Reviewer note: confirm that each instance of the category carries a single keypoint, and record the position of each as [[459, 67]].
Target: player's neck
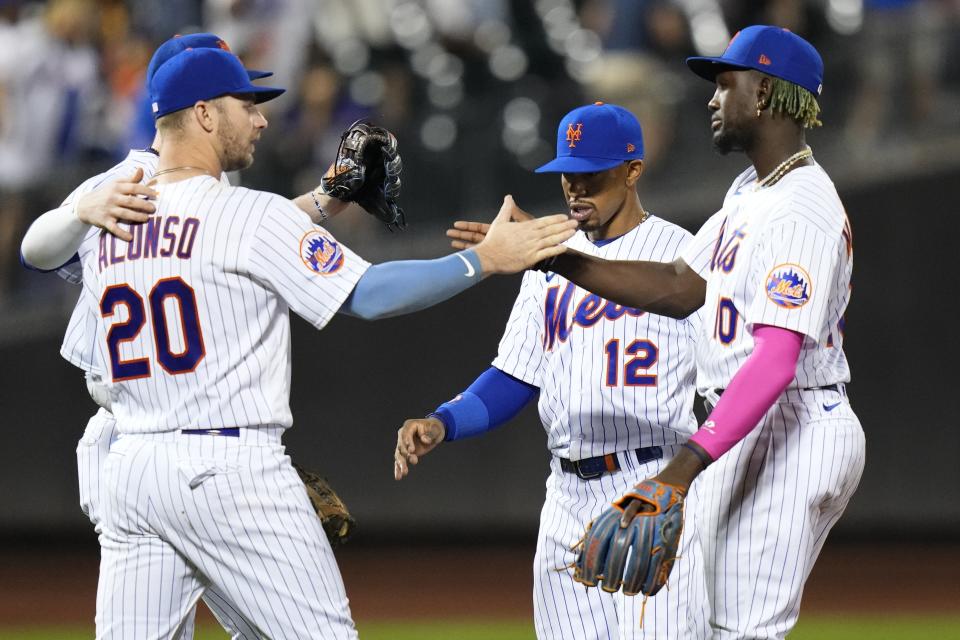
[[770, 152], [180, 162]]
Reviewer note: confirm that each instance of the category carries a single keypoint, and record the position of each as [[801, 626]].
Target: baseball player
[[194, 332], [103, 202], [785, 449], [615, 388]]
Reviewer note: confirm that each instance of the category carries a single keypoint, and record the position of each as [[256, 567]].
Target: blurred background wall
[[474, 90]]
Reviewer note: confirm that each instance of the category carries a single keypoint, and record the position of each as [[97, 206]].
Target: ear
[[634, 171], [206, 115], [764, 89]]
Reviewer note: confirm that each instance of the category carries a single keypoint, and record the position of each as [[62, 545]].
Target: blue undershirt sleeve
[[404, 286], [494, 398]]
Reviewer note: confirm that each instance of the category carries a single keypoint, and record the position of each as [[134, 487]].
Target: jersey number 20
[[173, 362]]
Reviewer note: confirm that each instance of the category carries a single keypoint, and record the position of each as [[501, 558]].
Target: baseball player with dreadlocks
[[785, 449]]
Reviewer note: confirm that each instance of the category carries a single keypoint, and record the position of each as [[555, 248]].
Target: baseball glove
[[367, 171], [337, 522], [637, 554]]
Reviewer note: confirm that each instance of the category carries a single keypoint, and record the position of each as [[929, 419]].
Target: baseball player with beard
[[120, 195], [786, 451], [615, 387], [194, 331]]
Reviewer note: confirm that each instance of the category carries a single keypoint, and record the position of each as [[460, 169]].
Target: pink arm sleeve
[[753, 389]]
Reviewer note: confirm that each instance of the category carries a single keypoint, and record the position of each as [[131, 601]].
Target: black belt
[[233, 432], [590, 468], [829, 387]]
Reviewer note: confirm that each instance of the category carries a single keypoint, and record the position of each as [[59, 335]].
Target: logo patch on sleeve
[[320, 252], [789, 286]]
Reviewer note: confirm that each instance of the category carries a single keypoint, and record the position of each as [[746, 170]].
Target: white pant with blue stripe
[[92, 451], [185, 516], [564, 609], [767, 506]]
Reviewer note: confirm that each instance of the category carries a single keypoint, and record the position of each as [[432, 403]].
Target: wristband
[[316, 203]]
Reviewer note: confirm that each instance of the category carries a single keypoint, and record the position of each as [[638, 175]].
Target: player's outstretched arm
[[493, 399], [669, 289], [416, 438], [55, 236], [510, 247], [405, 286]]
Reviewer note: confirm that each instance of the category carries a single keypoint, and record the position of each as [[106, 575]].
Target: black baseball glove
[[633, 553], [337, 522], [367, 171]]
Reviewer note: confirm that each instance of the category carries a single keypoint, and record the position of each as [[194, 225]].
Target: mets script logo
[[320, 252], [725, 253], [588, 312], [574, 134], [788, 285]]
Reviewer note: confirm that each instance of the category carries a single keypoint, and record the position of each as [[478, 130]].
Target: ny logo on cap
[[573, 135]]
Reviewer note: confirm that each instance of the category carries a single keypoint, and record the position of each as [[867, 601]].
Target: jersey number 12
[[643, 354]]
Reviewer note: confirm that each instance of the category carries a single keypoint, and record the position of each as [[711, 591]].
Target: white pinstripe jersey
[[780, 256], [611, 378], [79, 341], [194, 329]]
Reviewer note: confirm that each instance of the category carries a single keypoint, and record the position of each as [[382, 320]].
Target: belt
[[590, 468], [232, 432], [829, 387]]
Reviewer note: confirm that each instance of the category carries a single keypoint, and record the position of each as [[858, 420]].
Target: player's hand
[[415, 438], [123, 200], [509, 247], [466, 234]]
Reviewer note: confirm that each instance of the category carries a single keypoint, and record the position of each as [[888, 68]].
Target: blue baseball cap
[[178, 44], [771, 50], [202, 74], [596, 137]]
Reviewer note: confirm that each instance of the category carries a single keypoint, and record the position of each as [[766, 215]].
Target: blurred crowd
[[472, 88]]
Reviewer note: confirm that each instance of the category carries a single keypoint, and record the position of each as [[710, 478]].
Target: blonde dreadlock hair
[[795, 101]]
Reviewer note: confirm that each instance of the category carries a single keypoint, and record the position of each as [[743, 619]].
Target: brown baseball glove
[[333, 513]]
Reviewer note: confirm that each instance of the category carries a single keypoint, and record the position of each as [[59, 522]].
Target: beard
[[236, 150], [729, 140]]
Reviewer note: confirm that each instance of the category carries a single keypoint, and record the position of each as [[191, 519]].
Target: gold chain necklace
[[774, 176], [183, 168]]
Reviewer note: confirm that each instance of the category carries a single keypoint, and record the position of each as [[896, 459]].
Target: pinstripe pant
[[564, 609], [768, 505], [186, 513], [92, 451]]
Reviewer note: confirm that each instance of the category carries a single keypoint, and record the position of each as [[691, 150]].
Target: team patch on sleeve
[[789, 286], [320, 252]]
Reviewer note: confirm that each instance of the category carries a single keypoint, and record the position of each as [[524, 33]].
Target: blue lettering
[[589, 311]]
